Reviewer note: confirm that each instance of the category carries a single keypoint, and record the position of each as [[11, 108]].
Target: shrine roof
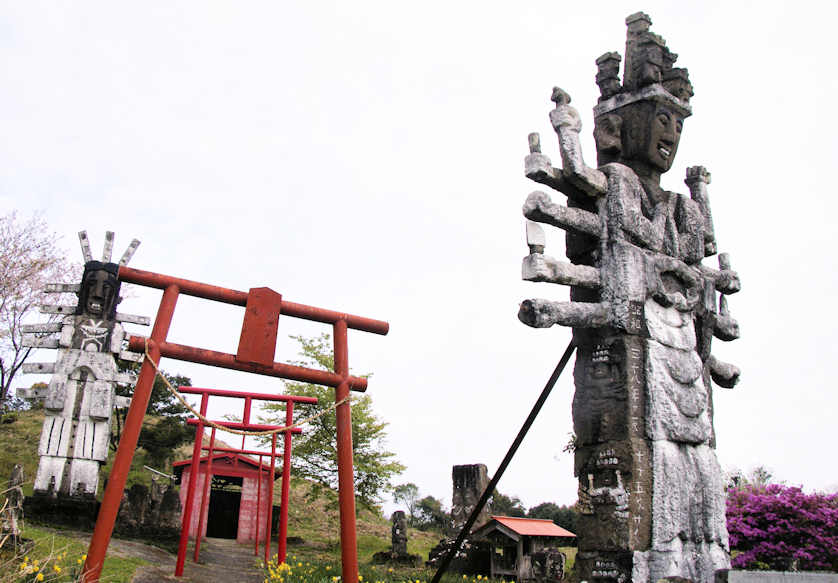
[[532, 526], [227, 458]]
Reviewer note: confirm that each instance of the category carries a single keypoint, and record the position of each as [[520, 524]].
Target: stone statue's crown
[[648, 72]]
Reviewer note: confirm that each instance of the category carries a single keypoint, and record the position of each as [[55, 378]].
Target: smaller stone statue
[[398, 550], [399, 533]]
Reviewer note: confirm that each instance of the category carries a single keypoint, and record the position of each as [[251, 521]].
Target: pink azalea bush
[[772, 526]]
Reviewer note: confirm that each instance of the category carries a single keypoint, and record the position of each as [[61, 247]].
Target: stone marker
[[398, 533], [644, 311], [398, 551]]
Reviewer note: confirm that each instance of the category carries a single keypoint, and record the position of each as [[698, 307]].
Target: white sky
[[368, 157]]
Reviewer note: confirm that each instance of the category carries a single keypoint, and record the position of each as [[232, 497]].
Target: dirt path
[[222, 561]]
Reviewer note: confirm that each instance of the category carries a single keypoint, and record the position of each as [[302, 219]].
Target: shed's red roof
[[532, 526]]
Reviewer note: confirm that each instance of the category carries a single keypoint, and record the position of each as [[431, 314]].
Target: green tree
[[407, 494], [430, 513], [504, 505], [164, 428], [314, 454], [564, 516]]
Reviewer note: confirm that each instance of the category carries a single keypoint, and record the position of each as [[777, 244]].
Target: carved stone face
[[664, 135], [99, 290], [650, 135]]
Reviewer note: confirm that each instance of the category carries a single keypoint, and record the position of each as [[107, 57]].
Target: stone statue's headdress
[[648, 72], [99, 290]]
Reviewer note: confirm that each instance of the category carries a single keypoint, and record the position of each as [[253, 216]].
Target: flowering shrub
[[772, 526]]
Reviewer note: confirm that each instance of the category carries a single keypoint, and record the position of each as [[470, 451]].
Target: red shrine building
[[237, 491]]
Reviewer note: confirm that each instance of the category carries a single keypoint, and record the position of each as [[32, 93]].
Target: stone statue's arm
[[697, 180], [723, 374], [624, 208], [648, 234], [566, 122]]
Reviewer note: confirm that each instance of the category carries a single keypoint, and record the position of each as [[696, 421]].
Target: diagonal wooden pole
[[508, 458]]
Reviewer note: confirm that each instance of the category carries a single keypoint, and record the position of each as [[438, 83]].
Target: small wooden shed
[[514, 542], [234, 492]]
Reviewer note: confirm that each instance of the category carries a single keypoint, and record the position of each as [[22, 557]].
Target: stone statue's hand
[[537, 202], [728, 282], [565, 116], [537, 164]]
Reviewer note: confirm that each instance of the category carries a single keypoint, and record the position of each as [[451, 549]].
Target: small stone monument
[[398, 551], [644, 310], [399, 533]]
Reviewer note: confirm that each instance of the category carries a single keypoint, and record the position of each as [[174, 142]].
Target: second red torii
[[244, 425]]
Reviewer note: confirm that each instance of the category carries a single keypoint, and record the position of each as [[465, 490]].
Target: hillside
[[313, 523]]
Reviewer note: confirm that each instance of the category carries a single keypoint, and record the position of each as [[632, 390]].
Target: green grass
[[20, 445], [58, 559]]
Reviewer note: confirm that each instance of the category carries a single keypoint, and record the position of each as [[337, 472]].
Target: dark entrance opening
[[224, 505]]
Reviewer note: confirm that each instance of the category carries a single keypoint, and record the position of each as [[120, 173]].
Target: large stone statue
[[643, 311], [80, 398]]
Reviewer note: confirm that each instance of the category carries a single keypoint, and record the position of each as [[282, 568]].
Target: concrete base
[[736, 576]]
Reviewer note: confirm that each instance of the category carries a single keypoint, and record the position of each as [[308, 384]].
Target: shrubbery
[[774, 526]]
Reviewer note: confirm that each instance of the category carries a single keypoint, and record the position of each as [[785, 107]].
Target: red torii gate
[[245, 425], [257, 345]]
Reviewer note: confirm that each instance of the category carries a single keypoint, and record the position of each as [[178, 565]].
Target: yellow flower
[[56, 568], [299, 564], [360, 577], [390, 570], [465, 576], [40, 577]]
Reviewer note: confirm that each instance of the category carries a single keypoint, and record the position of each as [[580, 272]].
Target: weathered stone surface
[[469, 482], [399, 533], [150, 512], [548, 565], [80, 398], [650, 492]]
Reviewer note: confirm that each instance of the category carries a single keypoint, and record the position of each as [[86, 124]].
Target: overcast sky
[[367, 157]]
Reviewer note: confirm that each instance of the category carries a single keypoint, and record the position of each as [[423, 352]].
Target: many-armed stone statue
[[644, 311], [80, 398]]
